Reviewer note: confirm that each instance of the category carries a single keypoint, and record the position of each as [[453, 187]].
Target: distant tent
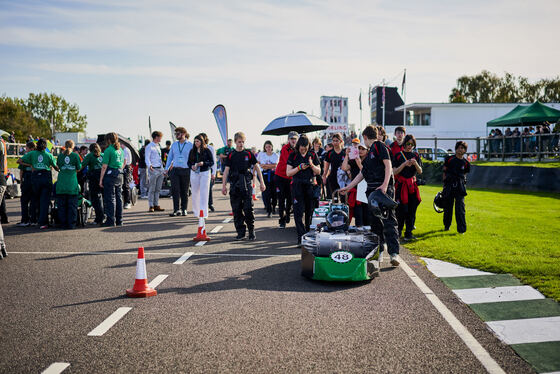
[[520, 115]]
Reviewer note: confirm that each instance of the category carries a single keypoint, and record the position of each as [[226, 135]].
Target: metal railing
[[539, 147], [18, 149]]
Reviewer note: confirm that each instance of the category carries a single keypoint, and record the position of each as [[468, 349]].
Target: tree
[[14, 117], [487, 87], [46, 108]]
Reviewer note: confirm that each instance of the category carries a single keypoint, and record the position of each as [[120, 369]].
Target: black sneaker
[[4, 252], [282, 225], [240, 236], [211, 208], [446, 228], [252, 235], [184, 213], [287, 219], [175, 213], [268, 215]]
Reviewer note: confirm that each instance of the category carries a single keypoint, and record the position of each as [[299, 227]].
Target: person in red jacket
[[283, 182], [398, 145]]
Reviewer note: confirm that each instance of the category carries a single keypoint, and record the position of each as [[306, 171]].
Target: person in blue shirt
[[179, 172]]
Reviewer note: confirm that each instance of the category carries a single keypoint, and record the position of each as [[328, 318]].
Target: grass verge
[[512, 232]]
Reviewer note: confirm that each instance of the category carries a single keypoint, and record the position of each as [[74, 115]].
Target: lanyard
[[181, 148]]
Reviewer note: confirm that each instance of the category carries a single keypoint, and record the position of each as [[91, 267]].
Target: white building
[[452, 120], [334, 111]]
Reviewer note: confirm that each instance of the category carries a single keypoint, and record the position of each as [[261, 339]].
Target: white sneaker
[[127, 206], [395, 259], [380, 258], [23, 224]]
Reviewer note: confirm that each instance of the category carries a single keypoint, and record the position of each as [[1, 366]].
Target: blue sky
[[121, 61]]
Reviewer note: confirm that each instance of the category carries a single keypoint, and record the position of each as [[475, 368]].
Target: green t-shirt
[[92, 162], [224, 150], [40, 160], [113, 158], [67, 183]]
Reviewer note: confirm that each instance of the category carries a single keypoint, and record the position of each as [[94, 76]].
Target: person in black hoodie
[[454, 187]]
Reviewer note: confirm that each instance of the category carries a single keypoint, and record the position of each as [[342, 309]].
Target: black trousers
[[269, 195], [180, 179], [303, 206], [127, 178], [284, 195], [28, 208], [460, 218], [406, 214], [242, 207], [386, 229], [67, 210], [210, 197], [42, 192], [96, 195], [361, 214]]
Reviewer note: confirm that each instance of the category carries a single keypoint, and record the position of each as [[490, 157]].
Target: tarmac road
[[230, 307]]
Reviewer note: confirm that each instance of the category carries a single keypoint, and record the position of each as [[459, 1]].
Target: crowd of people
[[292, 182], [513, 142]]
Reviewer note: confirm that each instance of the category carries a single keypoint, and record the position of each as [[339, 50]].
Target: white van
[[427, 153]]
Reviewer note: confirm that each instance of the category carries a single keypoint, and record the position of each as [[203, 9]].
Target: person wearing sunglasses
[[406, 164]]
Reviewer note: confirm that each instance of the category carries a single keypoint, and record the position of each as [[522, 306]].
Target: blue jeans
[[42, 191], [112, 196], [67, 210]]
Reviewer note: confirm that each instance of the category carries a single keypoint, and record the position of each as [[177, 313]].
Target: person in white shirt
[[268, 161], [154, 164], [179, 172], [213, 171], [127, 176]]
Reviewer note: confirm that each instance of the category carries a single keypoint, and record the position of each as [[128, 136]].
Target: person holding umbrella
[[283, 181]]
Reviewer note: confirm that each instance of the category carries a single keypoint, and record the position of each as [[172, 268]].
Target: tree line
[[36, 115], [487, 87]]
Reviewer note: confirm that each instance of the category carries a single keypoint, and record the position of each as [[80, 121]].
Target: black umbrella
[[300, 122]]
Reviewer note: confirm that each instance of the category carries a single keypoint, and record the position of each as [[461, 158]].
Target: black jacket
[[206, 157]]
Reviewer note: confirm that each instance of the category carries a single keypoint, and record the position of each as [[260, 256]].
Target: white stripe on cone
[[141, 269]]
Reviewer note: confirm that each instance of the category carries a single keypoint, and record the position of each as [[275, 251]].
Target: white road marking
[[228, 220], [497, 294], [216, 229], [154, 254], [181, 260], [443, 269], [57, 367], [529, 330], [480, 353], [109, 321], [157, 280], [199, 244]]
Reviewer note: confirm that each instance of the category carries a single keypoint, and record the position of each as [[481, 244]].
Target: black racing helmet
[[438, 202], [338, 220], [381, 204]]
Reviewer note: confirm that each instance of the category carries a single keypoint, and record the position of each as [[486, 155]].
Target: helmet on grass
[[439, 202]]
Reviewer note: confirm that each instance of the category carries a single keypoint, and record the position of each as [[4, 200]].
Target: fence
[[18, 149], [534, 146]]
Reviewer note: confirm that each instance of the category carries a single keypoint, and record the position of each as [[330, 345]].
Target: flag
[[150, 125], [173, 127], [360, 99], [220, 115], [403, 81]]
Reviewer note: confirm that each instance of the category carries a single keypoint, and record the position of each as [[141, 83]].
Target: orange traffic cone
[[254, 194], [141, 288], [201, 235]]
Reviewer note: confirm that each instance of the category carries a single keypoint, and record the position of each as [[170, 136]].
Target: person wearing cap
[[303, 165], [353, 163], [377, 171], [333, 161], [283, 181], [179, 172]]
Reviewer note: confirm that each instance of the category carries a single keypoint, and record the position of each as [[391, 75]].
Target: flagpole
[[404, 98], [383, 119], [360, 111]]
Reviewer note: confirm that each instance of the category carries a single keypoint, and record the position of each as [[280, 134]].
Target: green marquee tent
[[533, 114]]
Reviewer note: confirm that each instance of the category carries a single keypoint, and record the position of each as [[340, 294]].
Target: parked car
[[427, 153]]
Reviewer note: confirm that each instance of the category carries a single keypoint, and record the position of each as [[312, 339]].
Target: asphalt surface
[[231, 307]]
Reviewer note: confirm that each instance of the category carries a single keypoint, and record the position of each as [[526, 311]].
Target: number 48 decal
[[341, 256]]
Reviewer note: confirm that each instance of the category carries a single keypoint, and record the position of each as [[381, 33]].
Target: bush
[[432, 172]]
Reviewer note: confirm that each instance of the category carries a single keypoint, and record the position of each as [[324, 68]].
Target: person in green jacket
[[67, 188], [41, 162], [111, 180], [94, 161]]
